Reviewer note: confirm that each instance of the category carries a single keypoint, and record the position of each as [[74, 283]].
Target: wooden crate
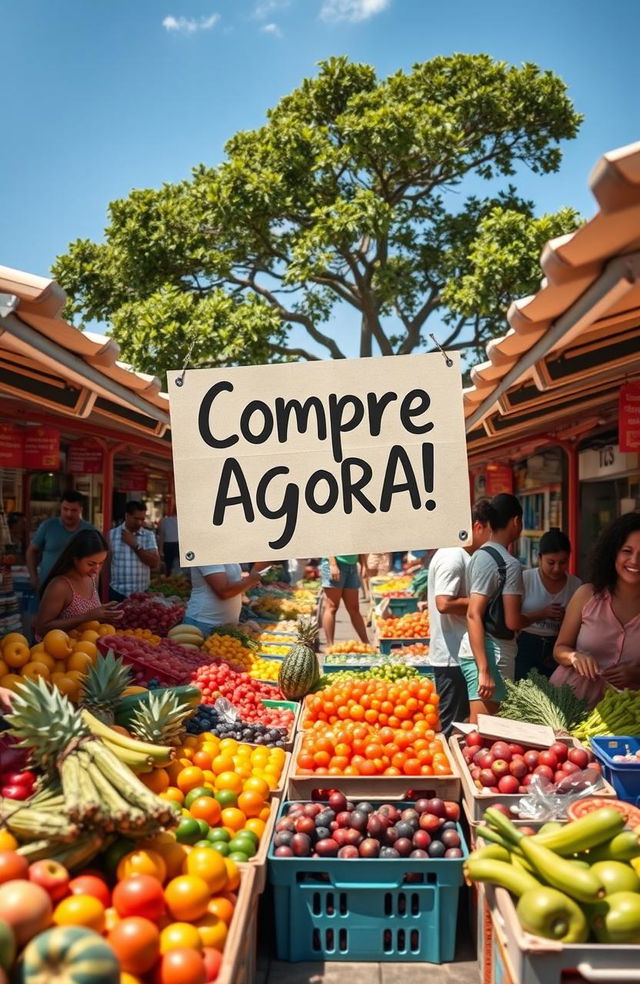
[[239, 957], [477, 801], [375, 787]]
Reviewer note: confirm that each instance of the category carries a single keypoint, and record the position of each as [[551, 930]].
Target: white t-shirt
[[447, 576], [205, 605], [483, 578], [536, 597]]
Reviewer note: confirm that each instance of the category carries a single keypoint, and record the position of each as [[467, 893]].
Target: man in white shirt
[[448, 600], [134, 554]]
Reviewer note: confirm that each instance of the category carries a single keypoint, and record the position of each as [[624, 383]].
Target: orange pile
[[412, 626], [351, 749], [59, 658], [145, 634], [402, 704], [351, 646]]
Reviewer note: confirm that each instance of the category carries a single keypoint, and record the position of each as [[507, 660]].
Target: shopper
[[53, 535], [216, 594], [341, 582], [448, 601], [134, 553], [548, 586], [599, 640], [168, 540], [69, 596]]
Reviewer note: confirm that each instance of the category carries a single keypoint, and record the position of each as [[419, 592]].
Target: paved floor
[[463, 970]]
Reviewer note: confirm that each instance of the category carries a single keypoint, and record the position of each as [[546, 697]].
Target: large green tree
[[349, 203]]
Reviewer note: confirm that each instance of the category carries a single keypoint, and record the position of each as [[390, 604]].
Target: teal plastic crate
[[386, 645], [378, 910], [403, 606], [423, 670]]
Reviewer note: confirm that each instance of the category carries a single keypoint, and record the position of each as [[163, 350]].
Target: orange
[[89, 636], [256, 825], [11, 681], [172, 793], [79, 676], [233, 875], [233, 818], [79, 660], [180, 936], [187, 897], [157, 781], [229, 780], [251, 804], [173, 855], [257, 785], [213, 930], [208, 865], [94, 624], [142, 862], [103, 630], [39, 655], [221, 907], [7, 841], [222, 763], [205, 808], [12, 637], [202, 759], [57, 644], [189, 778], [59, 666], [89, 648], [80, 910], [35, 669], [15, 654]]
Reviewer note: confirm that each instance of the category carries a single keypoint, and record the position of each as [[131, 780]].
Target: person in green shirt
[[341, 581]]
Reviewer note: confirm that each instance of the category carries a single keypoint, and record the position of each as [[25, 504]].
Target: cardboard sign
[[11, 446], [85, 457], [533, 735], [320, 458], [629, 417], [41, 449]]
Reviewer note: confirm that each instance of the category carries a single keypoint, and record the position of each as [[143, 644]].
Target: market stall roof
[[571, 345], [50, 364]]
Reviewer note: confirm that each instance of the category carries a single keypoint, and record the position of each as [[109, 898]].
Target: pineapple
[[104, 685], [159, 720], [45, 721]]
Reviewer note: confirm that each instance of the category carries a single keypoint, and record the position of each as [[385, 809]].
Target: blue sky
[[101, 97]]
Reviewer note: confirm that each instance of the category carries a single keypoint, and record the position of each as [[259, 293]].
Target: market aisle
[[463, 970]]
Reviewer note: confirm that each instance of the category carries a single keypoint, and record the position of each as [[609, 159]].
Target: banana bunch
[[188, 636], [139, 756]]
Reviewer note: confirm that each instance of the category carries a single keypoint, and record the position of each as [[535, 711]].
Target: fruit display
[[145, 634], [392, 659], [404, 703], [223, 646], [510, 768], [169, 662], [220, 680], [380, 671], [280, 648], [286, 626], [300, 671], [618, 713], [189, 636], [351, 646], [382, 585], [414, 625], [351, 749], [273, 729], [170, 585], [268, 604], [263, 668], [143, 611], [342, 829], [59, 658], [573, 882], [420, 649], [537, 701]]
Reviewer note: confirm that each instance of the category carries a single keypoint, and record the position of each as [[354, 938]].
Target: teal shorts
[[469, 668]]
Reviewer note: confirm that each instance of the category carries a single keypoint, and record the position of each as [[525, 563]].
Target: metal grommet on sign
[[463, 535], [190, 555], [180, 379], [448, 361]]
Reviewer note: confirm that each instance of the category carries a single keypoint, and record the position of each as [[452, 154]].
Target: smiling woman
[[599, 641]]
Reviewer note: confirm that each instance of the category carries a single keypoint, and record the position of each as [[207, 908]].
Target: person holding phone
[[216, 594], [69, 595]]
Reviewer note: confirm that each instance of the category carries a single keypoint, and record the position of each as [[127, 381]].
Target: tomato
[[180, 936], [222, 907], [91, 885], [213, 931], [80, 910], [183, 966], [12, 866], [208, 865], [212, 962], [139, 895], [205, 808], [187, 897], [142, 862], [136, 943]]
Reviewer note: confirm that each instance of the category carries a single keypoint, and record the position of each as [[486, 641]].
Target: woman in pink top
[[599, 640], [69, 596]]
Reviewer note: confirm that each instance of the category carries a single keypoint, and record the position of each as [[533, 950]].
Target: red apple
[[51, 876], [516, 749], [568, 768], [544, 770], [429, 821], [508, 784], [485, 761], [501, 750], [487, 777], [91, 884], [548, 758], [560, 751], [531, 758], [500, 768], [559, 775], [579, 757], [474, 739], [502, 808], [528, 779], [452, 811], [518, 768]]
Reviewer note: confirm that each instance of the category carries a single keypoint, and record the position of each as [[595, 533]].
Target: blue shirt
[[51, 538]]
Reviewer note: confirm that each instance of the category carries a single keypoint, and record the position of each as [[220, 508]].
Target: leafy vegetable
[[536, 701]]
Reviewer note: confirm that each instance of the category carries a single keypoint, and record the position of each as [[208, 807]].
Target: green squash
[[69, 955]]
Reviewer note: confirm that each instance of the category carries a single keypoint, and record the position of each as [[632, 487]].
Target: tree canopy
[[349, 199]]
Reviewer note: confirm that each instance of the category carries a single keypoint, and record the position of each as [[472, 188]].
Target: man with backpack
[[494, 613]]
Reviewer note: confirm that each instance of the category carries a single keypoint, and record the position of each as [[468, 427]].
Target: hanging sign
[[11, 446], [134, 480], [41, 448], [85, 457], [313, 459], [499, 479], [629, 417]]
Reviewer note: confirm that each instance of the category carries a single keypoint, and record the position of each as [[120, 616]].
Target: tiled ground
[[271, 971]]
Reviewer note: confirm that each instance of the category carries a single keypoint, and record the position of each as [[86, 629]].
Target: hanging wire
[[448, 361], [187, 359]]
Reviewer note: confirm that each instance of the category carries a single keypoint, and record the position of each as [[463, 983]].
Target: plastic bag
[[550, 801], [227, 714]]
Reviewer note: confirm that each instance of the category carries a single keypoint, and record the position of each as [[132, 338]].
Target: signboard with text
[[318, 458], [629, 417], [499, 479], [134, 480], [41, 449], [85, 457], [11, 446]]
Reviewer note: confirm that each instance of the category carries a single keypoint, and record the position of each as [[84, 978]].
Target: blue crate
[[361, 909], [386, 645], [623, 776], [423, 670], [403, 606]]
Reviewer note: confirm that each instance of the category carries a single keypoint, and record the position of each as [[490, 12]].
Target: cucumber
[[583, 834], [499, 873], [623, 847]]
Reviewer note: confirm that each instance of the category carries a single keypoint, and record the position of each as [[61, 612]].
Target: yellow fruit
[[3, 668], [57, 644], [14, 637], [79, 661], [89, 636], [76, 675], [105, 629], [35, 669], [95, 625], [38, 655], [15, 654], [134, 690], [11, 681], [87, 647], [7, 841]]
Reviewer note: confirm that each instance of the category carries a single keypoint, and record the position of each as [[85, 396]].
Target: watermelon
[[69, 955]]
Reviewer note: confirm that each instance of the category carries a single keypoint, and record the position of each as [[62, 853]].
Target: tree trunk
[[366, 341]]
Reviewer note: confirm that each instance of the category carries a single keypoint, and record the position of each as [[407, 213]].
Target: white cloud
[[189, 25], [264, 8], [352, 10], [272, 29]]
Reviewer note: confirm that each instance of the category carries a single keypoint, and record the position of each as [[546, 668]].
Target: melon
[[69, 955], [300, 672]]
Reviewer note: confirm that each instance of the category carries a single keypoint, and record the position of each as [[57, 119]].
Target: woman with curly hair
[[599, 640]]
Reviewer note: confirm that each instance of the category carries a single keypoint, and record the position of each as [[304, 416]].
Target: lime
[[219, 834], [226, 797], [188, 831], [112, 857], [238, 856], [203, 843], [245, 832], [244, 845], [204, 828], [221, 847], [193, 794]]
